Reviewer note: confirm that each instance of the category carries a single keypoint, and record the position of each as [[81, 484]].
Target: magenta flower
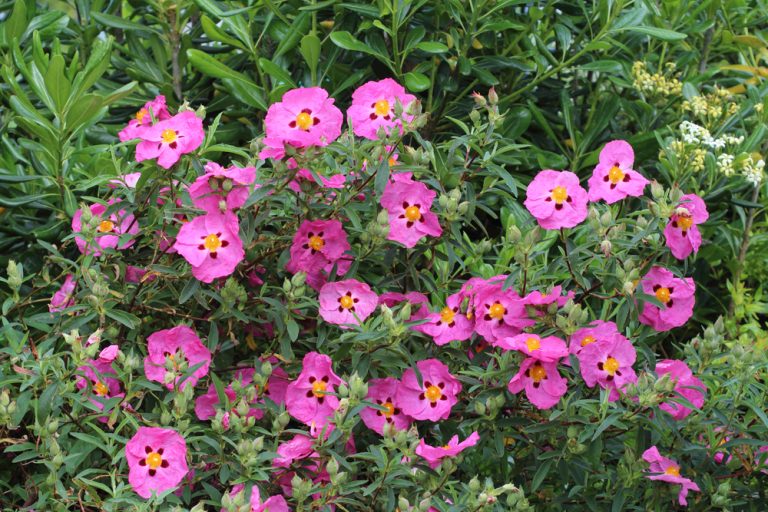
[[540, 300], [677, 295], [136, 275], [99, 379], [170, 347], [682, 232], [317, 246], [271, 504], [373, 107], [305, 117], [608, 363], [543, 384], [335, 181], [211, 244], [556, 199], [598, 331], [614, 179], [108, 230], [230, 186], [157, 460], [417, 300], [667, 470], [64, 296], [449, 324], [434, 398], [408, 203], [309, 398], [347, 302], [299, 448], [125, 180], [205, 405], [169, 139], [498, 313], [761, 459], [435, 454], [549, 349], [686, 386], [151, 112], [383, 392]]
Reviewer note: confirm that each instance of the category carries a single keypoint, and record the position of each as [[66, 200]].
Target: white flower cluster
[[753, 171], [698, 135]]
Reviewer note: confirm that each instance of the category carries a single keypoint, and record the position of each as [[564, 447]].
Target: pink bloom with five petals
[[686, 385], [499, 313], [435, 454], [599, 330], [383, 392], [174, 345], [310, 397], [549, 349], [408, 203], [152, 111], [609, 363], [543, 384], [157, 460], [434, 398], [316, 247], [347, 302], [614, 179], [108, 230], [667, 470], [678, 296], [373, 108], [211, 244], [682, 232], [556, 199], [232, 186], [449, 324], [169, 139]]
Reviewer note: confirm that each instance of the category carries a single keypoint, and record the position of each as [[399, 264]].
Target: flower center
[[381, 108], [663, 294], [212, 242], [168, 135], [318, 388], [392, 162], [497, 311], [611, 365], [304, 121], [100, 389], [390, 409], [154, 460], [141, 114], [106, 226], [587, 340], [412, 213], [433, 393], [672, 470], [347, 302], [447, 314], [316, 242], [684, 222], [559, 195], [533, 344], [615, 174], [538, 373], [446, 447]]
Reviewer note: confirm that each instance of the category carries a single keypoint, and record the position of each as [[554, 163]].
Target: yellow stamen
[[381, 108], [154, 460], [318, 388], [663, 294], [304, 121], [141, 114], [392, 162], [316, 242], [615, 175], [168, 135], [347, 302], [212, 242], [672, 470], [100, 389], [412, 213], [433, 393], [390, 409], [611, 365], [587, 340], [106, 226], [559, 195], [447, 314], [497, 311], [684, 222], [533, 344], [538, 373]]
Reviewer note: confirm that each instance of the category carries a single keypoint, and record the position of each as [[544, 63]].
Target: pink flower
[[126, 180], [63, 297], [434, 398], [100, 380], [415, 299], [408, 203], [211, 244], [168, 140], [549, 349], [317, 246], [152, 111], [608, 363], [435, 454], [299, 448], [543, 384], [614, 179], [172, 347], [556, 199], [272, 504], [450, 324], [687, 386], [232, 186], [157, 460], [205, 405], [383, 392], [305, 117], [599, 330], [373, 106], [499, 313], [108, 229], [309, 398], [667, 470], [761, 459], [136, 275], [335, 181], [682, 232], [677, 295], [347, 302]]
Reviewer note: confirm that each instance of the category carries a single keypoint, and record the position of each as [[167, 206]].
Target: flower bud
[[493, 98], [605, 247]]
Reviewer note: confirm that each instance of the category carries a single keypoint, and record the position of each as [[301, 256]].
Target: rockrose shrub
[[349, 306]]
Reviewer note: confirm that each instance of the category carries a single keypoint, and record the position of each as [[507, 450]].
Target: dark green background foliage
[[73, 73]]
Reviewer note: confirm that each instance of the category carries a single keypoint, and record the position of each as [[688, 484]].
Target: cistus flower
[[305, 117], [230, 186], [543, 384], [335, 181], [556, 199], [152, 112], [100, 379], [373, 107], [677, 295], [682, 232], [599, 330], [686, 385], [169, 139], [608, 362], [63, 297], [408, 204], [310, 398], [347, 302], [171, 347], [614, 179], [383, 392], [316, 247], [449, 324], [211, 244], [271, 504], [418, 301], [498, 313], [549, 349], [667, 470], [108, 230], [432, 399], [435, 454], [157, 460]]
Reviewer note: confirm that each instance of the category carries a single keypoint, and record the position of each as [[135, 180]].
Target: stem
[[705, 49], [743, 249], [568, 260]]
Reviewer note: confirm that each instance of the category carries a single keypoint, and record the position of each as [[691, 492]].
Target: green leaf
[[276, 72], [56, 82], [655, 32], [344, 39], [417, 82], [216, 34], [213, 67], [310, 50], [125, 318], [122, 23], [432, 47], [14, 26]]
